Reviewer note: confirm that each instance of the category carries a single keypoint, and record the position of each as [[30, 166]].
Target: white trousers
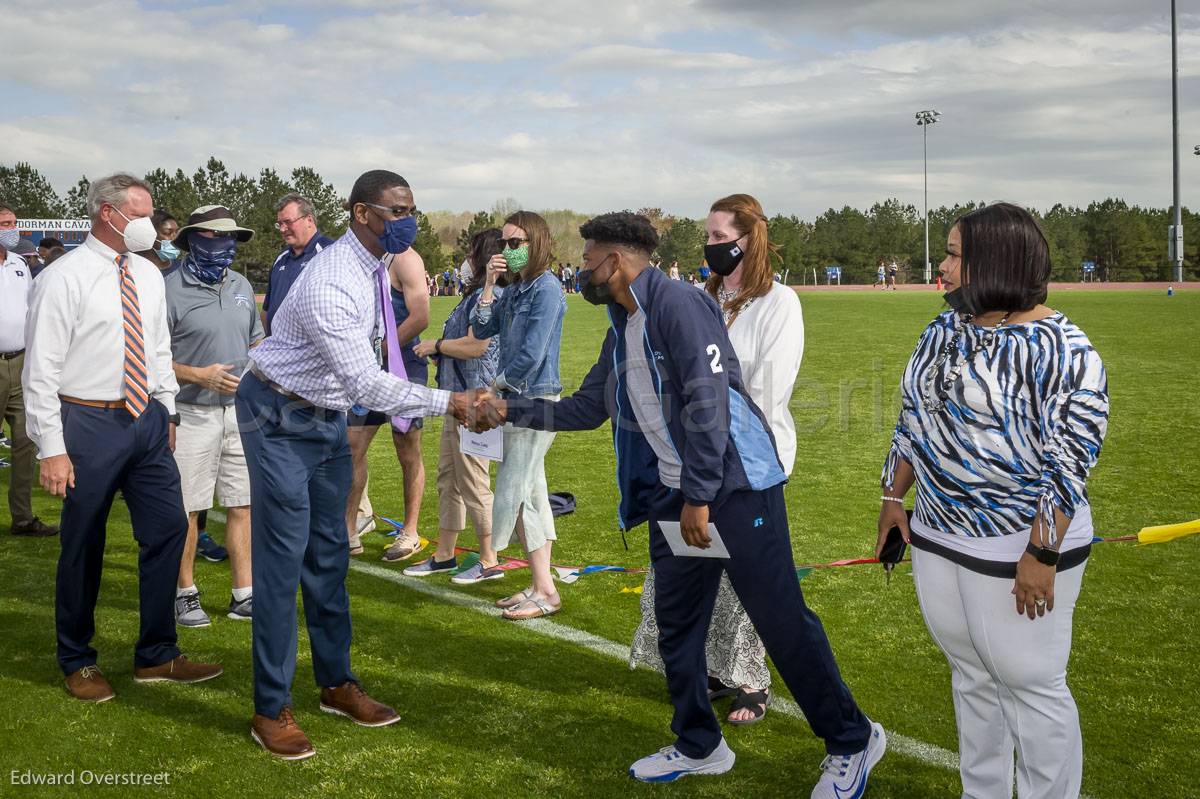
[[1008, 676]]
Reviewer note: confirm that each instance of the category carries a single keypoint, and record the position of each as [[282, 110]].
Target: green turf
[[493, 710]]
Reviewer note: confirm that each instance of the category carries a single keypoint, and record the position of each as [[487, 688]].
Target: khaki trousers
[[463, 484], [12, 397]]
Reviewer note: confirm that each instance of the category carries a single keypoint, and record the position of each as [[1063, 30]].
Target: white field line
[[932, 754], [901, 744]]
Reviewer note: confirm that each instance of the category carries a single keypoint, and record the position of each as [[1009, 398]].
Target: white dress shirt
[[75, 338], [14, 299], [768, 337]]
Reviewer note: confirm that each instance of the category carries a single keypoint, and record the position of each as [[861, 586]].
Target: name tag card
[[673, 532], [488, 445]]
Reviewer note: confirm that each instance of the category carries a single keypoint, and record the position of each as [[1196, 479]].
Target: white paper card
[[488, 445], [680, 548]]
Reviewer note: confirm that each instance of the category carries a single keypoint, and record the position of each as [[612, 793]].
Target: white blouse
[[768, 337]]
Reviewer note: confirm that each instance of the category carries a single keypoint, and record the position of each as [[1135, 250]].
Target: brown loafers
[[351, 701], [178, 670], [89, 685], [281, 736]]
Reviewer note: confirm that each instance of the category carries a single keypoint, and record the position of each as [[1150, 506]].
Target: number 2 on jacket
[[715, 352]]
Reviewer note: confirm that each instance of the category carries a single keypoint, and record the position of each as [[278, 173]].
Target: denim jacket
[[456, 374], [528, 319]]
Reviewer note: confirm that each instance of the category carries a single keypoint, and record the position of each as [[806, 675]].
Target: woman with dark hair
[[464, 486], [164, 254], [766, 328], [1005, 407], [528, 319]]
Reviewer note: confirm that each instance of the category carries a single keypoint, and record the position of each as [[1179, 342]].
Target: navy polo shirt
[[286, 269]]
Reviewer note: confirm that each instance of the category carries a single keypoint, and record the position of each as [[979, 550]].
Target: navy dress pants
[[754, 527], [300, 472], [111, 451]]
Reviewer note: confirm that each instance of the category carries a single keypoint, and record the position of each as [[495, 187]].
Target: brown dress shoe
[[33, 527], [178, 670], [281, 736], [351, 701], [89, 685]]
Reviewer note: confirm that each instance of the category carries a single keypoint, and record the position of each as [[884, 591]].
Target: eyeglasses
[[514, 242], [398, 211], [287, 223]]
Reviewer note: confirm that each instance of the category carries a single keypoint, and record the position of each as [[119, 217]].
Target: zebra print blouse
[[1019, 430]]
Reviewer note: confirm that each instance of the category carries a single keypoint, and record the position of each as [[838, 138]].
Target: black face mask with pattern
[[724, 257]]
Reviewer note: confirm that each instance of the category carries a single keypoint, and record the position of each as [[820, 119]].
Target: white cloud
[[600, 106]]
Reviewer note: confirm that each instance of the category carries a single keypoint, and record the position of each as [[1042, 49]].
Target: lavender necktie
[[395, 361]]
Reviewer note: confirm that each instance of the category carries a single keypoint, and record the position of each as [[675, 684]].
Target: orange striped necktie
[[137, 393]]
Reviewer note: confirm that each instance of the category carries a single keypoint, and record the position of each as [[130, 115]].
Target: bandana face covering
[[209, 258]]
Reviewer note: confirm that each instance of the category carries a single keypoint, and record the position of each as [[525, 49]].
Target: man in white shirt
[[15, 280], [100, 406]]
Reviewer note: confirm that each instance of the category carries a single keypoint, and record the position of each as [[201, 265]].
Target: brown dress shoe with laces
[[89, 685], [351, 701], [178, 670], [281, 736]]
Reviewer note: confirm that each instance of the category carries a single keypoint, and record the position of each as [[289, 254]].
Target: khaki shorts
[[208, 451]]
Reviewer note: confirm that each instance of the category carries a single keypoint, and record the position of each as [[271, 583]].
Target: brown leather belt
[[8, 356], [278, 389], [108, 405]]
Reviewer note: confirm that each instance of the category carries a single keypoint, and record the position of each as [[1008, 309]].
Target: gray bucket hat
[[216, 218]]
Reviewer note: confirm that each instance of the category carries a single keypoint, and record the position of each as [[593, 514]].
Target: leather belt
[[8, 356], [278, 389], [108, 405]]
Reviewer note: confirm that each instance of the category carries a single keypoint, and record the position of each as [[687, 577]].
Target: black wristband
[[173, 419], [1045, 556], [437, 346]]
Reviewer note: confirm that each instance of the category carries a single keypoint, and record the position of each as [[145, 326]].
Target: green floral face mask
[[516, 259]]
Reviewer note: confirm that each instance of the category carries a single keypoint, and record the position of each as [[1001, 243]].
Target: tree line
[[1126, 243]]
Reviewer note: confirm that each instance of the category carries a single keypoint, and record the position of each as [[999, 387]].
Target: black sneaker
[[210, 550], [35, 527]]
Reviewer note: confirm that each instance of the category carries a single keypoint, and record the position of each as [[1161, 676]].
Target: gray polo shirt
[[210, 324]]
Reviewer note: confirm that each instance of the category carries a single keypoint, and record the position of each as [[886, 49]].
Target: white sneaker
[[669, 764], [845, 776], [365, 524]]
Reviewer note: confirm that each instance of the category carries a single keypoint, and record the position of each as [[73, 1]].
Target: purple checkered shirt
[[322, 339]]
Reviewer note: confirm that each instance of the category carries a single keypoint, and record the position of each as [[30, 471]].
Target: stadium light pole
[[1175, 234], [924, 120]]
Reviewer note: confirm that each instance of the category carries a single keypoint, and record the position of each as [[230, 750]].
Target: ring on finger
[[1040, 602]]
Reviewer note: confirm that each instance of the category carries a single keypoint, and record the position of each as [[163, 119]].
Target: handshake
[[478, 410]]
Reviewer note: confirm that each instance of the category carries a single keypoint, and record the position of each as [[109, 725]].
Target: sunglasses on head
[[513, 243]]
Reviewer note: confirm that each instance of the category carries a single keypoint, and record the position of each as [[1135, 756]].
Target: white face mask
[[139, 234], [10, 238]]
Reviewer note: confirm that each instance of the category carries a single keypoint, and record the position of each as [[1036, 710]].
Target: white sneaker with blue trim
[[845, 776], [669, 764]]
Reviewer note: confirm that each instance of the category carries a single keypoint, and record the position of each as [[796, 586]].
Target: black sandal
[[718, 689], [756, 702]]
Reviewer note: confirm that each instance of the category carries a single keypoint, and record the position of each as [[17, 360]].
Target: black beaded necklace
[[937, 392]]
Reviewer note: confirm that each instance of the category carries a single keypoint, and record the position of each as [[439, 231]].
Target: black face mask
[[959, 301], [596, 295], [723, 258]]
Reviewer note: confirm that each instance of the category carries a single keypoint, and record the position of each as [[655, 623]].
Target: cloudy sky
[[596, 105]]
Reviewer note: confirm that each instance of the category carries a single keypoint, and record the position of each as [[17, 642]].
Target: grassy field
[[493, 709]]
